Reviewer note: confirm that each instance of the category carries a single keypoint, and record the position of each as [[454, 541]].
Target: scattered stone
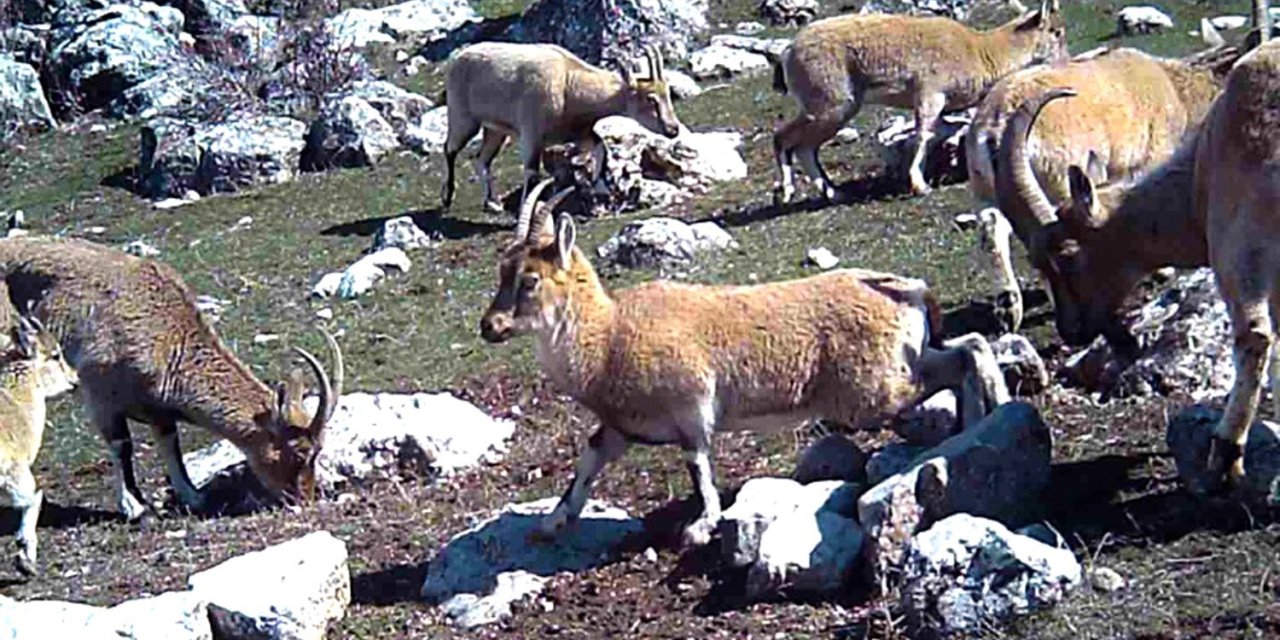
[[141, 249], [748, 28], [788, 13], [401, 109], [206, 17], [423, 20], [428, 133], [384, 435], [1142, 19], [847, 135], [616, 30], [931, 422], [479, 574], [359, 278], [265, 338], [1023, 368], [1106, 580], [997, 468], [683, 86], [822, 258], [656, 242], [831, 457], [890, 460], [967, 573], [251, 151], [348, 133], [170, 616], [1188, 437], [297, 590], [327, 286], [771, 48], [718, 62], [22, 103], [944, 156], [402, 233], [1229, 23], [1185, 336], [325, 313]]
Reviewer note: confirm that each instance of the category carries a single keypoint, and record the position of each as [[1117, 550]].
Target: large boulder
[[291, 591], [966, 573], [349, 132], [997, 468], [401, 109], [169, 158], [600, 30], [22, 103], [207, 17], [1188, 437], [482, 571], [26, 43], [658, 242], [169, 616], [831, 457], [792, 536], [248, 152], [1185, 335], [422, 20], [788, 13]]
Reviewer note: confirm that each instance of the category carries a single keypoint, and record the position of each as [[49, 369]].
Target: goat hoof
[[698, 534], [781, 196], [1224, 468], [25, 566], [920, 189], [493, 206]]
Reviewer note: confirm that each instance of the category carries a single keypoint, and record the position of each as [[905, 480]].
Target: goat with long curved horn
[[528, 207]]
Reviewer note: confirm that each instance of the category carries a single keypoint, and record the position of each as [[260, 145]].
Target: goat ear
[[1080, 215], [566, 237]]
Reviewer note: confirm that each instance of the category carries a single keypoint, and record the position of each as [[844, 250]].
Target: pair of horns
[[653, 59], [534, 215], [330, 391]]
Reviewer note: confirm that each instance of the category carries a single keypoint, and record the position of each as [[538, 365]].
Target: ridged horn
[[1024, 182], [527, 209]]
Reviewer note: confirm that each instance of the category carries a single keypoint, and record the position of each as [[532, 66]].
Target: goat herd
[[1108, 166]]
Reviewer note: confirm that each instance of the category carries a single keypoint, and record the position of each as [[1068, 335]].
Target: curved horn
[[339, 373], [1017, 169], [624, 69], [655, 62], [1262, 19], [527, 209], [327, 399]]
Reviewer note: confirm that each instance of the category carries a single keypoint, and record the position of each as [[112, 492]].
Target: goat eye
[[529, 281]]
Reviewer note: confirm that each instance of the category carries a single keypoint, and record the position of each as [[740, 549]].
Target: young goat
[[1215, 202], [32, 371], [544, 95], [668, 363], [929, 65], [142, 351]]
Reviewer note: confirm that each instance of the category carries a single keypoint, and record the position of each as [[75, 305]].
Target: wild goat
[[142, 351], [1132, 112], [666, 363], [1214, 203], [544, 95], [929, 65], [30, 372]]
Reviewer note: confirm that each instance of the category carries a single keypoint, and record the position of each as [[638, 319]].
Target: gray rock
[[141, 248], [170, 616], [831, 457], [174, 615], [297, 589], [770, 48], [997, 468], [1106, 580], [757, 505], [401, 109], [943, 157], [1023, 368], [657, 242], [401, 233], [483, 570], [1189, 435], [428, 133], [892, 459], [683, 86], [205, 17], [384, 435], [814, 547], [22, 103], [1185, 337], [169, 158], [422, 20], [967, 573], [256, 42], [822, 258], [348, 133], [749, 28], [1142, 19], [248, 152], [718, 61], [26, 43], [1044, 533], [617, 30], [931, 422], [788, 13], [359, 278]]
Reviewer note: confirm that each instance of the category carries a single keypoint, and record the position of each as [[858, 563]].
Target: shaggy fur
[[142, 351]]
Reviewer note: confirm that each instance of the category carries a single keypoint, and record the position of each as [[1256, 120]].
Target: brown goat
[[142, 351], [668, 363], [1215, 203], [929, 65], [544, 95]]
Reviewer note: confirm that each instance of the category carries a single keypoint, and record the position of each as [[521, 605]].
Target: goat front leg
[[604, 446], [994, 233], [927, 111], [114, 428], [1253, 331], [166, 435], [696, 451], [967, 366], [489, 147], [24, 497]]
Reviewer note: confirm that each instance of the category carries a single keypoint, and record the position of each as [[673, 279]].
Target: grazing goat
[[30, 372], [929, 65], [666, 363], [544, 95], [1132, 112], [142, 351], [1215, 202]]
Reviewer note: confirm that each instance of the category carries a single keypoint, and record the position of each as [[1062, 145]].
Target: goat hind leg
[[166, 435], [489, 147], [1253, 336], [604, 446], [114, 428], [460, 133], [927, 111], [696, 451], [25, 497]]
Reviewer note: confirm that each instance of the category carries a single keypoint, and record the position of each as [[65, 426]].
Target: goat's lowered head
[[35, 344], [649, 98], [533, 270], [287, 467]]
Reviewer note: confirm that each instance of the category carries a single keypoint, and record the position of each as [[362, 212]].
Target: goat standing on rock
[[544, 95], [929, 65], [666, 363], [142, 351]]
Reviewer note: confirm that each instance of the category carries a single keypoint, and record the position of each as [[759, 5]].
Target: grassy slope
[[1116, 498]]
